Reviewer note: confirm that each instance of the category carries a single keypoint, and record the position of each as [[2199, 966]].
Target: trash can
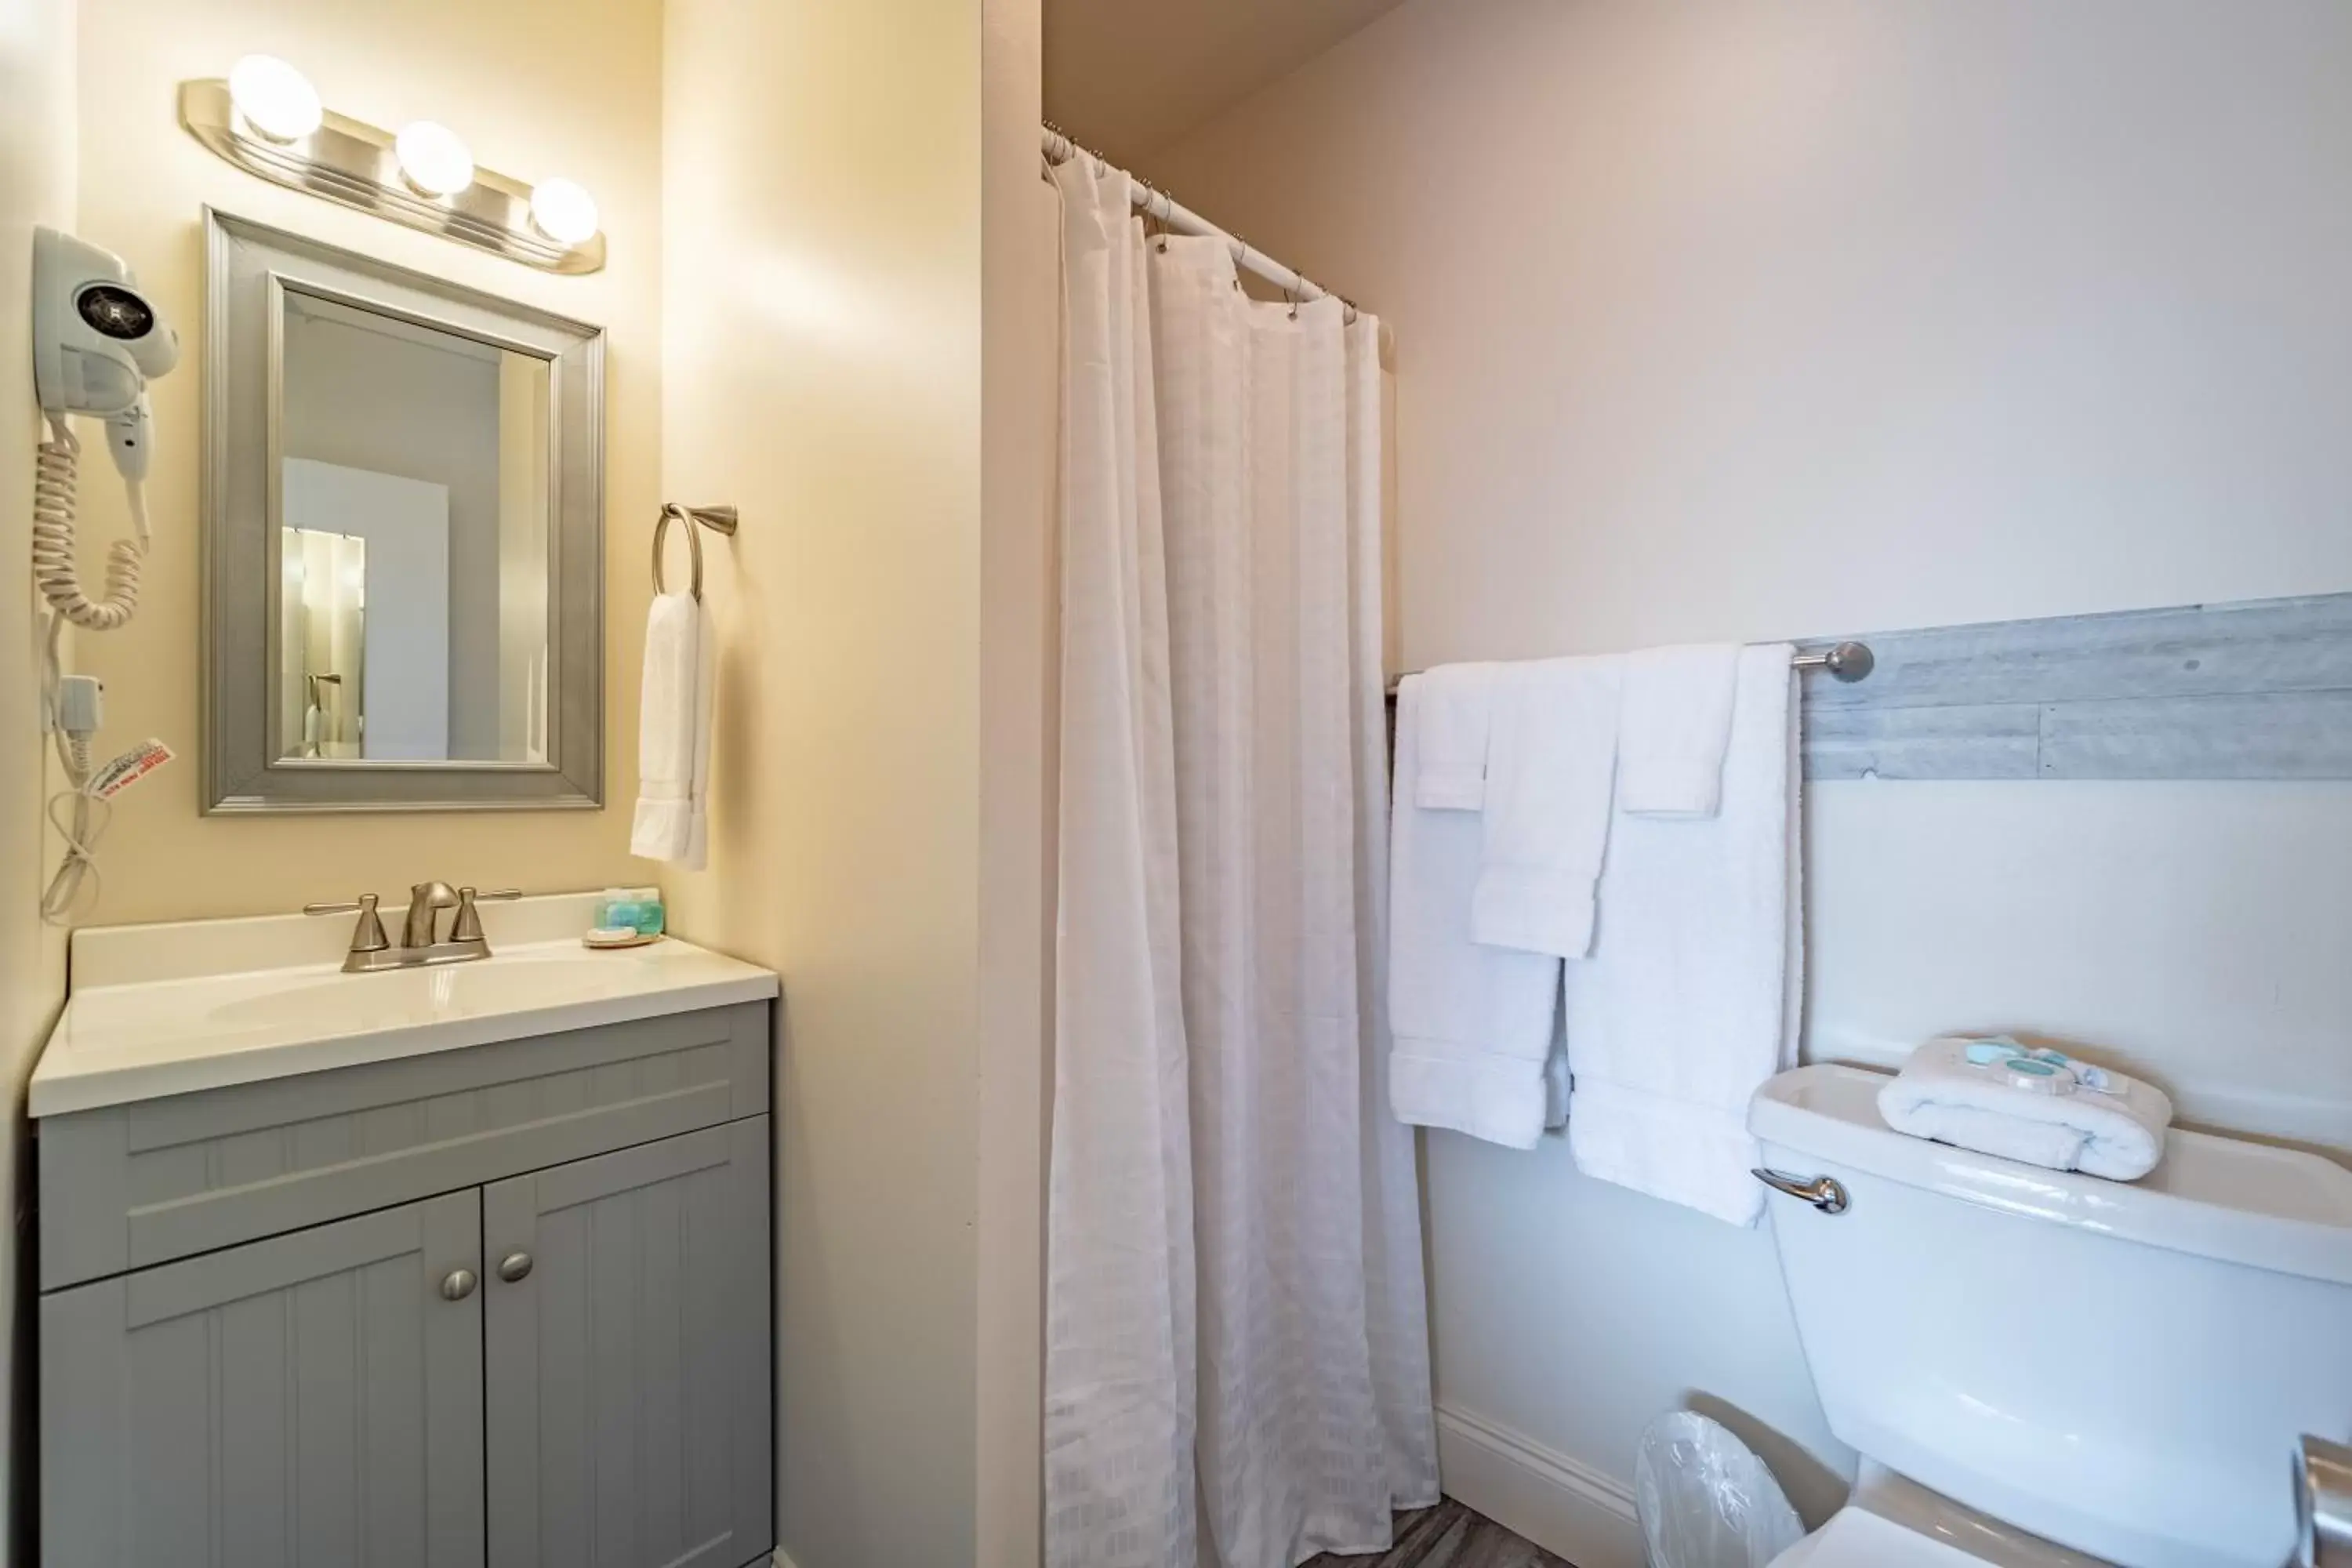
[[1706, 1500]]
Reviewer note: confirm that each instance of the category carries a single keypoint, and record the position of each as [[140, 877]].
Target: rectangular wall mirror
[[404, 532]]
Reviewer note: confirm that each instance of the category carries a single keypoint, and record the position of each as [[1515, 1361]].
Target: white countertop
[[162, 1010]]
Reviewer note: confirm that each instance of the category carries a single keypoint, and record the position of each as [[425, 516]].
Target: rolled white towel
[[2040, 1107]]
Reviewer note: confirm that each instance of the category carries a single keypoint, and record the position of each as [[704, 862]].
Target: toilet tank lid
[[2218, 1197]]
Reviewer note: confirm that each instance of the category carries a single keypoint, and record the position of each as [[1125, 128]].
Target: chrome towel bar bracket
[[1847, 661]]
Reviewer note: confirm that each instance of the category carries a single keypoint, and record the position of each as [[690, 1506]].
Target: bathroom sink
[[394, 997], [164, 1010]]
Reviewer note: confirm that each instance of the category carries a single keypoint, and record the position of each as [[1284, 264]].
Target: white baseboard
[[1561, 1504]]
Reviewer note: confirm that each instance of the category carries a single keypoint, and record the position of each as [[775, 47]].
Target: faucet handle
[[468, 927], [367, 936]]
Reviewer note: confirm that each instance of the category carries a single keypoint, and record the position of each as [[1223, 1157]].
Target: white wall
[[822, 184], [1020, 447], [1813, 316], [36, 186]]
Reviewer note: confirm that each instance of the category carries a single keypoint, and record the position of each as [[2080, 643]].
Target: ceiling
[[1130, 77]]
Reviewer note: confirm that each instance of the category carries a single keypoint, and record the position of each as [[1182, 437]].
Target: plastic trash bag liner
[[1706, 1500]]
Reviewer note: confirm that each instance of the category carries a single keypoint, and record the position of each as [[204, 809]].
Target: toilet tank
[[2122, 1367]]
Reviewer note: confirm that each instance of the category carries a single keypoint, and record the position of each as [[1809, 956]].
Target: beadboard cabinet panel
[[629, 1394], [309, 1400]]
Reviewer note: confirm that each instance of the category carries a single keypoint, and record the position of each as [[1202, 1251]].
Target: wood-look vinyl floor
[[1450, 1536]]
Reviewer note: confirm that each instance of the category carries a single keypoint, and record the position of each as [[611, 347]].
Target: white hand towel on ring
[[674, 735]]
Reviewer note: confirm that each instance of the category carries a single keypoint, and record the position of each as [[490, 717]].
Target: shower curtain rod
[[1173, 214]]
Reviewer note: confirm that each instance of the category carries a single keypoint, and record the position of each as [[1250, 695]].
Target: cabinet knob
[[514, 1266], [457, 1284]]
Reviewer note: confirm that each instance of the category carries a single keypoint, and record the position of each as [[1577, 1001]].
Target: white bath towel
[[1676, 724], [1472, 1026], [1940, 1094], [1551, 760], [1689, 1000], [1456, 712], [674, 735]]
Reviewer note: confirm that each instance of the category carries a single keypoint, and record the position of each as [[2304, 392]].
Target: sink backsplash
[[184, 950]]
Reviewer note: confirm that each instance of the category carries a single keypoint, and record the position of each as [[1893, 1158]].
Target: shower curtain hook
[[1290, 292]]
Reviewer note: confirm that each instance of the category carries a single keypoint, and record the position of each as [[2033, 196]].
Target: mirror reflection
[[414, 541]]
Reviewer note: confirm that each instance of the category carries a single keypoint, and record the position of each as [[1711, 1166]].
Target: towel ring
[[720, 519]]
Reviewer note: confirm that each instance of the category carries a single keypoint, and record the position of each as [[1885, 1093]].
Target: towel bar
[[1848, 661]]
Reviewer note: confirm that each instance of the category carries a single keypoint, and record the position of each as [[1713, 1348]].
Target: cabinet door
[[629, 1393], [311, 1401]]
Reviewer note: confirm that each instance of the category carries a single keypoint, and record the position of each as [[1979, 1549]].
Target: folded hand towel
[[674, 734], [1549, 763], [1456, 706], [2117, 1133], [1689, 1000], [1471, 1027], [1678, 722]]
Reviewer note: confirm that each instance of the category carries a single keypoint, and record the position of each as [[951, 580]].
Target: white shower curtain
[[1237, 1370]]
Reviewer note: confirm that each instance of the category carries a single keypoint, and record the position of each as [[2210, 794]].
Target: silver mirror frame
[[248, 269]]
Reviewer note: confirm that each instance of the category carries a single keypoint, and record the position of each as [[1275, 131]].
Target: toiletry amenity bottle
[[638, 909], [648, 911]]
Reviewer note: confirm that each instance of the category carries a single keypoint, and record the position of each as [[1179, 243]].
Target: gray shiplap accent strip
[[1984, 742], [2196, 650], [2286, 735], [2261, 690]]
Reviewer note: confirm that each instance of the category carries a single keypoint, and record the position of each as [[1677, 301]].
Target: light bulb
[[434, 160], [274, 97], [563, 211]]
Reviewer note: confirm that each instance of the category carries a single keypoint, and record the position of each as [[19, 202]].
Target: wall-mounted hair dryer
[[97, 341]]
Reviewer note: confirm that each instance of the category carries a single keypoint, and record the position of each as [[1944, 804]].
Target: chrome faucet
[[369, 950]]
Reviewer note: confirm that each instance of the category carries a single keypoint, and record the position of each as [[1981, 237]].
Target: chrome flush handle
[[1826, 1193]]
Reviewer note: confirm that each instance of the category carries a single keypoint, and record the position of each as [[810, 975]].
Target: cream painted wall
[[1020, 436], [36, 186], [1812, 316], [537, 87], [822, 186]]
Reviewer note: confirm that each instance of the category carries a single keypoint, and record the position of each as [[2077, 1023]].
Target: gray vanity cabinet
[[521, 1317], [309, 1399], [629, 1378]]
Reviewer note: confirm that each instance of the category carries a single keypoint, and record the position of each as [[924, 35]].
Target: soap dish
[[619, 936]]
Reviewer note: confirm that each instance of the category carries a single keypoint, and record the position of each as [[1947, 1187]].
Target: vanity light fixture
[[275, 98], [267, 118], [433, 158], [563, 210]]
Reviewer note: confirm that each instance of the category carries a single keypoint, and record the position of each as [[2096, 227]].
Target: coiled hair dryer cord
[[53, 484]]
